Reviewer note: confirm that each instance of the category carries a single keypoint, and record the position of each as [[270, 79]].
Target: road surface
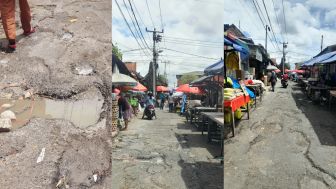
[[289, 142], [165, 153]]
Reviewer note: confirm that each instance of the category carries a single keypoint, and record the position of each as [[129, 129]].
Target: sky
[[190, 26], [306, 21]]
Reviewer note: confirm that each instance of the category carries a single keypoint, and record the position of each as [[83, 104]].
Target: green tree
[[116, 51], [185, 79], [162, 80]]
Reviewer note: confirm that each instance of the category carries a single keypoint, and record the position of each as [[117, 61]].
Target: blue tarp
[[215, 68], [236, 85], [319, 59], [329, 60], [235, 46]]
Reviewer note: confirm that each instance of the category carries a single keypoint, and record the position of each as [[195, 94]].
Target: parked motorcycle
[[150, 112]]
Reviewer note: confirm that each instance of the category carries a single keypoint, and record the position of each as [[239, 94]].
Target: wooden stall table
[[320, 88], [255, 88], [234, 104], [218, 119], [198, 110], [332, 94]]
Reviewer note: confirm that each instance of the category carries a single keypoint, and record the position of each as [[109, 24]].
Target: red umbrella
[[161, 89], [287, 70], [187, 89], [139, 87], [277, 71], [299, 71]]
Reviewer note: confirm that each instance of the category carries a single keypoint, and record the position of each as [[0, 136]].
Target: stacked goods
[[115, 115], [238, 114], [230, 93]]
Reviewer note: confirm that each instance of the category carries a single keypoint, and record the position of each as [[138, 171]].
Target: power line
[[160, 14], [264, 25], [187, 39], [191, 54], [136, 20], [256, 1], [283, 11], [191, 44], [269, 20], [248, 12], [144, 43], [150, 15], [143, 23], [277, 20], [129, 27]]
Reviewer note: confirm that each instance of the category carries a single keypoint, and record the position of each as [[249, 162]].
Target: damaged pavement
[[68, 59]]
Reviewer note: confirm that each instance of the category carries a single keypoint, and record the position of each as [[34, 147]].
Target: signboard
[[243, 87]]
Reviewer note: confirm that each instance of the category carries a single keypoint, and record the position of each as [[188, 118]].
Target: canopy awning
[[119, 79], [329, 60], [319, 59], [216, 68], [237, 44], [206, 80]]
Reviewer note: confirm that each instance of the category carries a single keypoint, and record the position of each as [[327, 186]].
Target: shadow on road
[[202, 175], [322, 120]]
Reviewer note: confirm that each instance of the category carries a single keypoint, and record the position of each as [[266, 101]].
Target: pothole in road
[[155, 169], [82, 113]]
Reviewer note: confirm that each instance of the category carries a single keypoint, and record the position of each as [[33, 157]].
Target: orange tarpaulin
[[187, 89], [236, 103], [139, 87], [161, 89]]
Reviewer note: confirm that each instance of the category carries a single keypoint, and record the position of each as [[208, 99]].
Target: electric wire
[[269, 20], [129, 27], [150, 15], [144, 43], [136, 20]]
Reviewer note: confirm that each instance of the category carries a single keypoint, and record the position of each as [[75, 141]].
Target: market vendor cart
[[257, 89], [234, 104]]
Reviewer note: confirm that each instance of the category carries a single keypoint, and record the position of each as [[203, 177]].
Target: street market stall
[[236, 95]]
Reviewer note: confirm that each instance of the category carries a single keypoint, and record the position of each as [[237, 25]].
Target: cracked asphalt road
[[289, 142], [165, 153]]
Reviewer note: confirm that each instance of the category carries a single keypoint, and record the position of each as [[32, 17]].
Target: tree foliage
[[116, 51], [162, 80], [185, 79]]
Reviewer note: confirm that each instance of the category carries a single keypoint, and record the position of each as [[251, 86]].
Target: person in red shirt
[[285, 76]]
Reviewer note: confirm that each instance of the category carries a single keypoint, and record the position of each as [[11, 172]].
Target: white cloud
[[304, 22]]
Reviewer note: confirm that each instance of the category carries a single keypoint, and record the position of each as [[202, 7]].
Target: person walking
[[162, 100], [124, 109], [273, 80], [7, 8], [171, 102]]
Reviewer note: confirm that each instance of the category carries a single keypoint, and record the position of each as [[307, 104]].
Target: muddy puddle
[[82, 113]]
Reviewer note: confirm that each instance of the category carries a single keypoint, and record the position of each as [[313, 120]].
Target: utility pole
[[156, 38], [321, 43], [267, 28], [284, 45]]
